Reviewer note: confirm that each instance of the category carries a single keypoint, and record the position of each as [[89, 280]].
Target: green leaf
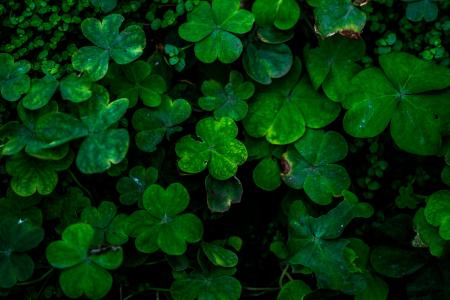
[[14, 80], [75, 89], [416, 10], [221, 194], [123, 47], [105, 5], [263, 62], [160, 225], [266, 174], [100, 150], [395, 262], [294, 290], [24, 208], [218, 149], [199, 286], [212, 30], [337, 16], [228, 101], [83, 269], [315, 243], [17, 236], [437, 212], [219, 256], [31, 175], [40, 93], [153, 124], [428, 235], [333, 64], [376, 99], [132, 188], [281, 114], [284, 14], [138, 82], [310, 165], [376, 289]]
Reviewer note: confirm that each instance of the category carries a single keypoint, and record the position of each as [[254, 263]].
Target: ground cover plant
[[225, 149]]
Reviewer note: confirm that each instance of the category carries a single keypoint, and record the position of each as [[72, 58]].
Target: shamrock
[[219, 256], [212, 28], [396, 262], [400, 96], [416, 10], [123, 47], [282, 112], [132, 188], [138, 81], [310, 165], [16, 237], [83, 268], [103, 146], [218, 149], [40, 93], [25, 208], [74, 88], [221, 194], [228, 101], [105, 5], [294, 289], [332, 64], [437, 212], [284, 14], [14, 80], [108, 227], [160, 225], [266, 57], [315, 243], [153, 124], [334, 16], [428, 235], [198, 285], [31, 175]]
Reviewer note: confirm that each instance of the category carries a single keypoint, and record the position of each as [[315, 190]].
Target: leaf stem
[[79, 184], [35, 280], [147, 289]]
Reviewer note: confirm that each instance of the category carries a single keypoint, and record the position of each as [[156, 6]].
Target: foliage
[[224, 149]]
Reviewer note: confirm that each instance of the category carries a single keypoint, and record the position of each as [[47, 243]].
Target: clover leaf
[[416, 10], [123, 47], [161, 225], [16, 237], [221, 194], [14, 80], [310, 165], [265, 61], [102, 146], [284, 14], [84, 270], [75, 89], [294, 289], [228, 101], [315, 244], [334, 16], [138, 82], [24, 208], [283, 111], [108, 227], [31, 175], [153, 124], [218, 149], [40, 93], [428, 235], [437, 212], [399, 96], [132, 188], [219, 256], [212, 30], [66, 207], [19, 136], [105, 5], [206, 286], [332, 64]]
